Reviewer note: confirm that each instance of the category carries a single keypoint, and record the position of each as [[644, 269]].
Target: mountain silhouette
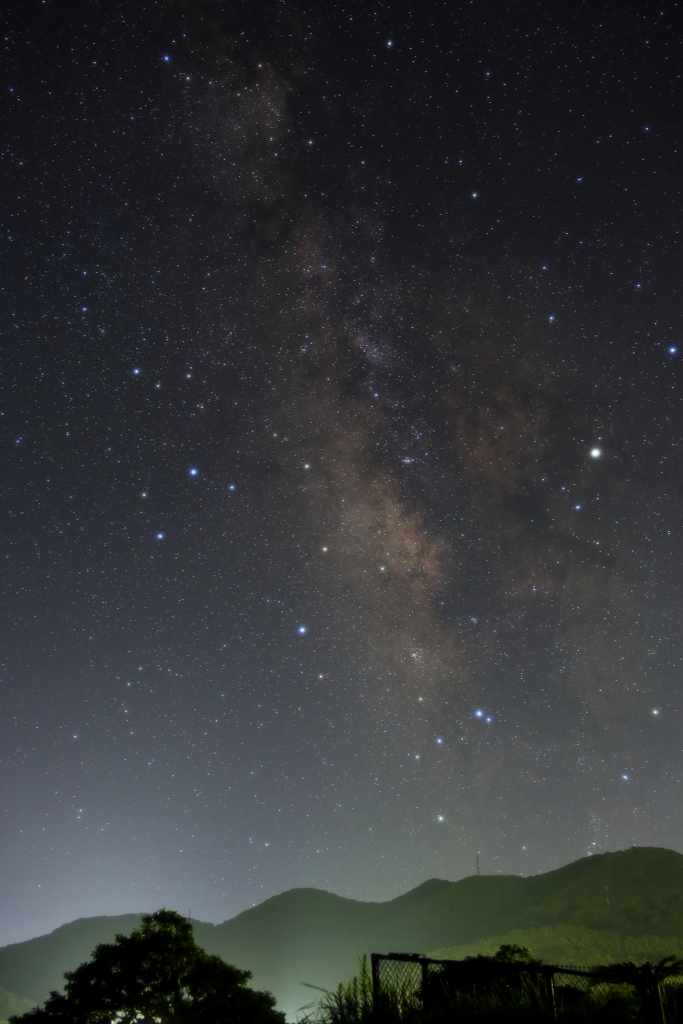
[[312, 936]]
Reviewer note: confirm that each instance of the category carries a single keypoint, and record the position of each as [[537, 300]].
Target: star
[[212, 250]]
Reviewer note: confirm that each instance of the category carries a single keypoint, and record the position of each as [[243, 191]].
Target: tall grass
[[352, 1003], [478, 999]]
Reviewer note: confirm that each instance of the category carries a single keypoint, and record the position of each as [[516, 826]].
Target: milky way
[[341, 426]]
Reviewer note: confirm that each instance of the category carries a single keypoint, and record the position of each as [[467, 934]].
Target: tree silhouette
[[157, 975]]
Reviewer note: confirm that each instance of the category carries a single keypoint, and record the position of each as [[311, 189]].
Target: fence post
[[550, 992], [425, 990], [374, 961], [650, 992], [657, 1004]]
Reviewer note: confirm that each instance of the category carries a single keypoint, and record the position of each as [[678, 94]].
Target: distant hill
[[308, 935], [571, 945], [9, 1004], [37, 966]]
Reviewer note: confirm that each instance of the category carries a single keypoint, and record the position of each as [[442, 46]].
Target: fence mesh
[[671, 991], [399, 981], [415, 987], [591, 996]]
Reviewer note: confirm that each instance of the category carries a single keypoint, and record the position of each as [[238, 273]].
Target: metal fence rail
[[420, 989]]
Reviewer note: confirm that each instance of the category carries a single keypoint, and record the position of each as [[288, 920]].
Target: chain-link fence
[[400, 982], [411, 987], [671, 994]]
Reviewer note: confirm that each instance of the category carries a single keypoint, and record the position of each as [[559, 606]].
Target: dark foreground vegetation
[[604, 909], [157, 974], [507, 988]]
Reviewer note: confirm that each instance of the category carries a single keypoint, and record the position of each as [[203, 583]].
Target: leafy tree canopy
[[156, 975], [508, 954]]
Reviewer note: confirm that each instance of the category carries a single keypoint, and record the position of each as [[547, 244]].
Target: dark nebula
[[341, 425]]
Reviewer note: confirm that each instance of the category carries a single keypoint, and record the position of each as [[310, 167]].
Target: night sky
[[342, 446]]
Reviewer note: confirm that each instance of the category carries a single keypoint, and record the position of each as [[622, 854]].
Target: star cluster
[[341, 428]]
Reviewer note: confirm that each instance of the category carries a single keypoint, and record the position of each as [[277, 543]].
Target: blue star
[[194, 472], [303, 629], [160, 536]]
